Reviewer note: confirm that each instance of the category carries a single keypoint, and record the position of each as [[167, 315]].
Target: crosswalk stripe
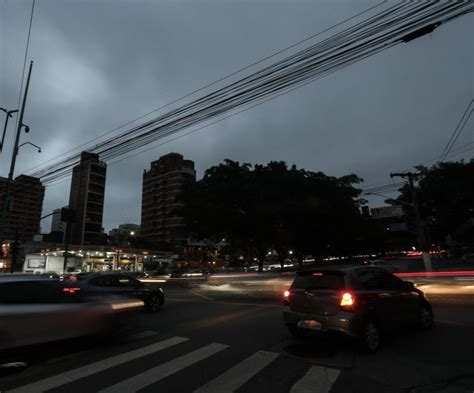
[[235, 377], [81, 372], [164, 370], [317, 380]]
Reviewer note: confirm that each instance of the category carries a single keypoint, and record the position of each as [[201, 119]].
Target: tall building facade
[[87, 200], [56, 224], [162, 185], [23, 220]]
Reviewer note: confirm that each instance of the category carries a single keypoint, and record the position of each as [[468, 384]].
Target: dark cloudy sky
[[100, 63]]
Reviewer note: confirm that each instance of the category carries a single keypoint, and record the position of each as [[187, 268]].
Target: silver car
[[36, 310], [362, 302]]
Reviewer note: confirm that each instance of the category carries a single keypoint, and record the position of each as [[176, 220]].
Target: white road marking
[[317, 380], [93, 368], [164, 370], [235, 377]]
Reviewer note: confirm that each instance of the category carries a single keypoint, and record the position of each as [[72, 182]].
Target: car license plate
[[309, 324]]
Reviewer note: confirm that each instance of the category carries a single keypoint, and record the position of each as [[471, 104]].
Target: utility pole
[[67, 216], [66, 248], [8, 114], [19, 125], [420, 225], [7, 193]]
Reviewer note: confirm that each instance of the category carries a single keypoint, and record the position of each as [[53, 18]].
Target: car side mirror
[[408, 285]]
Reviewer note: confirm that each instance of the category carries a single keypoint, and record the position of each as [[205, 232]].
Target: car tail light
[[71, 290], [286, 297], [347, 301]]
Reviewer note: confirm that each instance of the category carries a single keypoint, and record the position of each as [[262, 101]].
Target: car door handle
[[385, 295], [309, 294]]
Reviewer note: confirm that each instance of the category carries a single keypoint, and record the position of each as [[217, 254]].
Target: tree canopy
[[273, 206], [446, 197]]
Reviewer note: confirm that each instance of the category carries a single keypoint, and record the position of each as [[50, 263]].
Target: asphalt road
[[226, 339]]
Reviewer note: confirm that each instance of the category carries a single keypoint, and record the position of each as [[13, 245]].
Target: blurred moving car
[[362, 302], [387, 265], [187, 273], [102, 284], [138, 275], [36, 310]]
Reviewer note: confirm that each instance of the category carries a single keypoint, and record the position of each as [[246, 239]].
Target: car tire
[[297, 332], [370, 338], [426, 320], [154, 302]]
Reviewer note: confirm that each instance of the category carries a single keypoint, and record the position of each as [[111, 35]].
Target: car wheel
[[297, 332], [370, 338], [426, 319], [154, 303]]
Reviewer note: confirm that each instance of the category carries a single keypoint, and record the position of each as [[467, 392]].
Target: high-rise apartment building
[[23, 219], [56, 224], [87, 199], [162, 185]]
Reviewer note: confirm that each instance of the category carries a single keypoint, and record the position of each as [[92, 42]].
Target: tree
[[446, 196], [274, 207]]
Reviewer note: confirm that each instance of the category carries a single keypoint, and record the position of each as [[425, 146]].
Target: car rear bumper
[[344, 322]]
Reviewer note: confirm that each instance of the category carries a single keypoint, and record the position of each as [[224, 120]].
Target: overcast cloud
[[98, 64]]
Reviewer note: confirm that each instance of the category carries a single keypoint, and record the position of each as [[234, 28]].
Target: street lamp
[[6, 202], [32, 144]]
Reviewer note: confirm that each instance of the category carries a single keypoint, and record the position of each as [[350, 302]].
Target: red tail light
[[286, 297], [71, 290], [347, 301]]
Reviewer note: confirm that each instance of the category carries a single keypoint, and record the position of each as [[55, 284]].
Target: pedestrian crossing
[[317, 379]]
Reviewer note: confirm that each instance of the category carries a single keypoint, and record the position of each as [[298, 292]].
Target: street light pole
[[7, 199], [19, 125], [8, 114]]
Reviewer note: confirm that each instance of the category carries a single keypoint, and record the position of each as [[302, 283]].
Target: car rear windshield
[[319, 280]]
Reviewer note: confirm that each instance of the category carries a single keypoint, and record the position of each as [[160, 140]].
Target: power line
[[133, 130], [458, 134], [216, 81], [366, 38], [457, 131], [277, 77]]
